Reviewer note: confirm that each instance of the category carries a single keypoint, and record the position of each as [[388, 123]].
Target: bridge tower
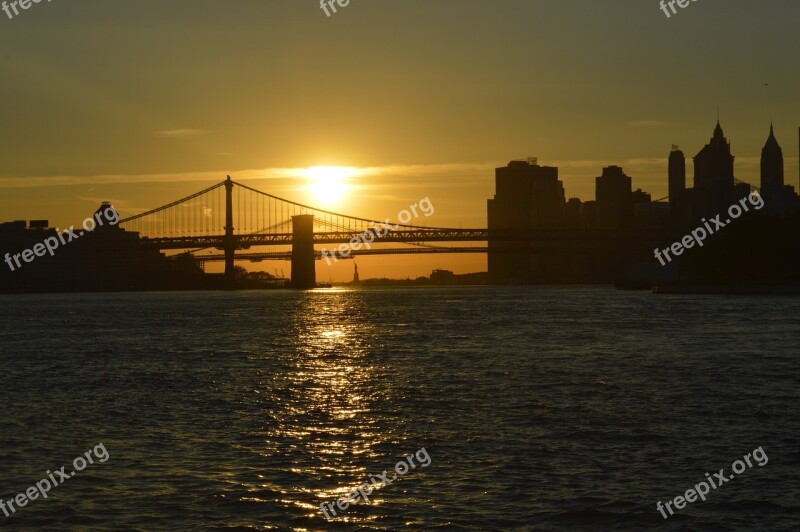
[[229, 241], [303, 273]]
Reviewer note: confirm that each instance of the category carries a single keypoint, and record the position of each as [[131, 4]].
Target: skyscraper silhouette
[[779, 198], [713, 175], [614, 199], [528, 197], [771, 164], [677, 187]]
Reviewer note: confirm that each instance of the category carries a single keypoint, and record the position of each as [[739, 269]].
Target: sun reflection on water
[[321, 413]]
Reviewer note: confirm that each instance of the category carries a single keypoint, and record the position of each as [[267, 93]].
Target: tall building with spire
[[771, 164], [779, 198], [713, 176]]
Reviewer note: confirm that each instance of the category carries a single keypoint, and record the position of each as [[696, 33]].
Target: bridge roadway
[[584, 238], [287, 255]]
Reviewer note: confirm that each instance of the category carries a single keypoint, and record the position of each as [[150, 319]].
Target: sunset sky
[[141, 103]]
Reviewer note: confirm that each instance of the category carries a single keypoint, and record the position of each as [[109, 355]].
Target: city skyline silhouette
[[536, 233]]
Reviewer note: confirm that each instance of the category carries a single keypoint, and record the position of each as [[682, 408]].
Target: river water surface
[[541, 408]]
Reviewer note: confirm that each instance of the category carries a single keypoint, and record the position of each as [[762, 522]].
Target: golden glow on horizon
[[329, 183]]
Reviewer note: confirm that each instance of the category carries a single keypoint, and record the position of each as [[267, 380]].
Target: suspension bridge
[[233, 217]]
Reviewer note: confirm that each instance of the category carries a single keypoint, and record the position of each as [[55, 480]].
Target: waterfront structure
[[527, 197]]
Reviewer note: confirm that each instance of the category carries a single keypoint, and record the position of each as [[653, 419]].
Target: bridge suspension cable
[[328, 216], [201, 213]]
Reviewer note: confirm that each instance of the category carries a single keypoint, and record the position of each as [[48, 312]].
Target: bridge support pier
[[229, 242], [303, 273]]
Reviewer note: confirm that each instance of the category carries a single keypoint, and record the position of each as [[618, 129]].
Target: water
[[541, 408]]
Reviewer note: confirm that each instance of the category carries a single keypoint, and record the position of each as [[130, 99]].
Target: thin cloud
[[181, 133]]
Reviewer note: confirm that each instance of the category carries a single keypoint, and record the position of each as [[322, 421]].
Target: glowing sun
[[329, 183]]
